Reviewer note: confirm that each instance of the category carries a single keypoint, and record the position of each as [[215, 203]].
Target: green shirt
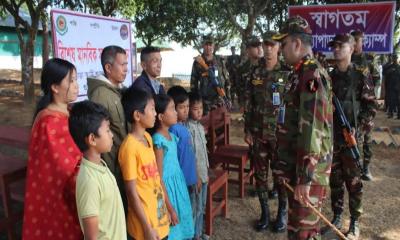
[[97, 194]]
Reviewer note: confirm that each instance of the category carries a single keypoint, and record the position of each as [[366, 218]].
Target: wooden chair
[[218, 181], [232, 157], [12, 176]]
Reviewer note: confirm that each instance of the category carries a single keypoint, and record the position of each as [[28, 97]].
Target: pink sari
[[50, 206]]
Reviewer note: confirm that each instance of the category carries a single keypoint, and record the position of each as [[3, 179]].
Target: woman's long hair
[[53, 72]]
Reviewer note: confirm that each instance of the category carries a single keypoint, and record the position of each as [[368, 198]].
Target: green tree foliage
[[184, 21]]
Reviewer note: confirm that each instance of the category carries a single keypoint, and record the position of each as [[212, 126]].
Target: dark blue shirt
[[186, 157], [143, 83]]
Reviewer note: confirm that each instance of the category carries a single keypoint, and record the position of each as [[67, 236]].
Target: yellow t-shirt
[[138, 162]]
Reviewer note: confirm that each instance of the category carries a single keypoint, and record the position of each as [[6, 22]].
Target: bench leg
[[5, 192]]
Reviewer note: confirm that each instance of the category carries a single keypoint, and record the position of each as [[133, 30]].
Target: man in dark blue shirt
[[150, 60]]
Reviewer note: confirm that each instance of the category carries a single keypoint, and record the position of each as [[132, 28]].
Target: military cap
[[207, 39], [253, 41], [357, 34], [294, 25], [340, 39], [267, 37]]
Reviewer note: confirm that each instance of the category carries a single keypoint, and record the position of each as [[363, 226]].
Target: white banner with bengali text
[[80, 38]]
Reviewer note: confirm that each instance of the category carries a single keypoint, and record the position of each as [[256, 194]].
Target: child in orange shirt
[[147, 212]]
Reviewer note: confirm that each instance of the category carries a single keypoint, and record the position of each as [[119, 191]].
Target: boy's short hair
[[147, 51], [134, 100], [178, 94], [194, 98], [86, 118]]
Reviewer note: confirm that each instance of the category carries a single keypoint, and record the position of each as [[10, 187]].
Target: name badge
[[276, 100]]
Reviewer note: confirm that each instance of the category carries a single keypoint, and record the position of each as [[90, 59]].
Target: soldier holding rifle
[[354, 90]]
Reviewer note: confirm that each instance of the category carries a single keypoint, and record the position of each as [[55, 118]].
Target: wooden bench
[[12, 176]]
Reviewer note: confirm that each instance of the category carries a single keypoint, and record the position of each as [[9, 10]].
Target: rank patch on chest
[[312, 85], [256, 82]]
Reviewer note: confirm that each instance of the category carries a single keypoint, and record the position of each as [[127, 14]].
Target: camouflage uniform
[[261, 115], [305, 138], [245, 69], [355, 91], [201, 83], [305, 143], [244, 76], [232, 64], [367, 61], [391, 73]]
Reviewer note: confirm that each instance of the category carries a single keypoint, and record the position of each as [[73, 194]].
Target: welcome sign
[[80, 38], [376, 20]]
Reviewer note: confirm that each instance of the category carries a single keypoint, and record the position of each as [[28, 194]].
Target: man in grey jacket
[[106, 90]]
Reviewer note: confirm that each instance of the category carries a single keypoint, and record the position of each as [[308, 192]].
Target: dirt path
[[381, 199]]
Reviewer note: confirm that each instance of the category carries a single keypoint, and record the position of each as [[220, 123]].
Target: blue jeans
[[199, 201]]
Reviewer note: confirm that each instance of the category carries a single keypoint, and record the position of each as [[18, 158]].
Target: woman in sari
[[50, 208]]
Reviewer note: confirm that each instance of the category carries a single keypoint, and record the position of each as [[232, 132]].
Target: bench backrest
[[17, 137]]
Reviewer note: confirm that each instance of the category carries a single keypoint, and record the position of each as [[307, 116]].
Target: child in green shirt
[[99, 204]]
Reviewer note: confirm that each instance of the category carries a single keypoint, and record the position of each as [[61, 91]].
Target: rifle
[[350, 140], [210, 72]]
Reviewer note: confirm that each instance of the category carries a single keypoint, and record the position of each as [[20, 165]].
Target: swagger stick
[[337, 231]]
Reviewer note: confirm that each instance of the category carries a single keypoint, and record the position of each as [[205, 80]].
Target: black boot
[[263, 222], [336, 221], [354, 229], [366, 175], [281, 222]]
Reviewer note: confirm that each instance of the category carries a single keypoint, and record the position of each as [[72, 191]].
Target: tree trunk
[[45, 34], [27, 54]]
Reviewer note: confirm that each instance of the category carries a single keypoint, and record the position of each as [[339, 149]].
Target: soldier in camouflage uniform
[[201, 83], [354, 89], [305, 133], [391, 75], [254, 53], [232, 64], [262, 99], [365, 61]]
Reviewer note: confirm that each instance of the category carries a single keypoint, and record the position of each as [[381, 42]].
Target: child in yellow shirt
[[147, 212]]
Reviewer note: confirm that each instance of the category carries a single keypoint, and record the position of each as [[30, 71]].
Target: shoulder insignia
[[309, 61], [257, 81], [310, 65]]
